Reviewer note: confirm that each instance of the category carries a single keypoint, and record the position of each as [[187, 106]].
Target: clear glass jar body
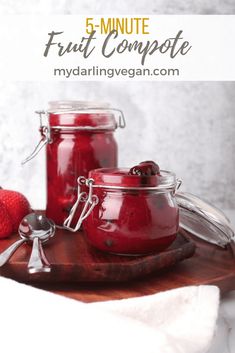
[[70, 155], [132, 221], [79, 142]]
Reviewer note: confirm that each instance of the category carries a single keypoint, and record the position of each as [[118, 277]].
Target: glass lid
[[121, 177], [204, 220], [70, 105]]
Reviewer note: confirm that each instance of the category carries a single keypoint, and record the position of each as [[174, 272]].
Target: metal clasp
[[90, 201], [46, 136], [177, 185], [121, 119], [44, 127]]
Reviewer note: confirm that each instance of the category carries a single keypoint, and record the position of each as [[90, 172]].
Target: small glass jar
[[79, 137], [128, 214]]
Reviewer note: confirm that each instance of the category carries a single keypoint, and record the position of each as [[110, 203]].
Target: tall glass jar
[[79, 137]]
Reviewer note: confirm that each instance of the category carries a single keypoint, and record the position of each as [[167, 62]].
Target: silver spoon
[[7, 254], [36, 228], [39, 229]]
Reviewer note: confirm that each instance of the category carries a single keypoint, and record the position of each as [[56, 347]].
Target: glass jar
[[128, 214], [78, 137]]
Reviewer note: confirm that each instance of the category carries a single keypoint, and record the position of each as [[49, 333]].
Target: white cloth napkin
[[177, 321]]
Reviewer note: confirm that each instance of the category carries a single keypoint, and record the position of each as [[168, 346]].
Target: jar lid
[[72, 105], [120, 178], [203, 220], [84, 115]]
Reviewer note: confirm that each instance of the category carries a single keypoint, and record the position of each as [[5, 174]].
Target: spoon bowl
[[36, 226], [38, 229]]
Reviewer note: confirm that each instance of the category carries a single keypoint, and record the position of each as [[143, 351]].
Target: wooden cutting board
[[129, 277], [210, 265], [73, 260]]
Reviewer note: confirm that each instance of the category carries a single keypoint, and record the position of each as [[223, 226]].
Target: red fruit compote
[[136, 211], [81, 140]]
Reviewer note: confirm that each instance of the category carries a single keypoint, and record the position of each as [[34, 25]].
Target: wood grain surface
[[209, 265], [73, 260]]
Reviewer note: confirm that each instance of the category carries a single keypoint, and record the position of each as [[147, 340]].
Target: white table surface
[[224, 339]]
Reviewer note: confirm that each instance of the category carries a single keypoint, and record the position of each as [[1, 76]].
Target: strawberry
[[5, 222], [16, 205]]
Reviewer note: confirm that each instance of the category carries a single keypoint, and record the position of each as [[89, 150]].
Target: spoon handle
[[6, 254], [43, 255], [38, 261]]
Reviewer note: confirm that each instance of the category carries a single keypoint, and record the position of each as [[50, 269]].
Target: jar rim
[[56, 107], [118, 178]]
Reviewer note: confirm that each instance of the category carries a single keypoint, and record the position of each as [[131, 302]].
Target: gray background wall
[[186, 127]]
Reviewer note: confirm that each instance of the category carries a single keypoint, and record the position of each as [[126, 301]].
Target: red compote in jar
[[128, 213], [78, 137]]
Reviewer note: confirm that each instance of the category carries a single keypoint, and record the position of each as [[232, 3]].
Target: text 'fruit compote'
[[136, 213]]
